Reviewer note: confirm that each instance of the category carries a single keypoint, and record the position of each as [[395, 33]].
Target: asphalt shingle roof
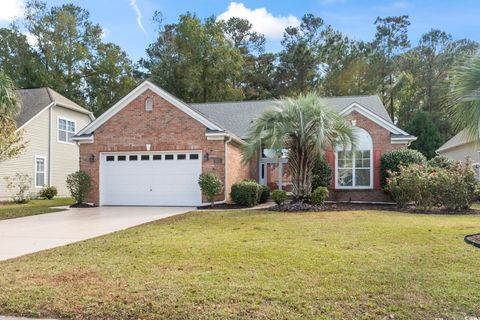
[[459, 139], [236, 117], [35, 100]]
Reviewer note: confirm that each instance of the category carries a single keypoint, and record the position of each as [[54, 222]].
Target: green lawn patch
[[33, 207], [254, 264]]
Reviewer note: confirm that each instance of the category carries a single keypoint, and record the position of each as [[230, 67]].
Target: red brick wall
[[166, 128], [237, 171], [381, 144]]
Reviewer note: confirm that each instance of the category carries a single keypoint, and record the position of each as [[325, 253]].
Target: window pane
[[169, 157], [40, 179], [62, 135], [358, 162], [40, 165], [358, 155], [362, 177], [345, 177], [70, 136], [110, 158], [71, 126], [62, 124], [366, 154], [122, 158], [157, 157], [133, 158], [181, 156], [145, 157], [194, 156]]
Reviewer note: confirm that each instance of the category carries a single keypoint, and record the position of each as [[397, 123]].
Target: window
[[110, 158], [145, 157], [39, 172], [354, 168], [133, 158], [122, 158], [149, 104], [194, 156], [181, 156], [66, 130], [157, 157], [169, 157]]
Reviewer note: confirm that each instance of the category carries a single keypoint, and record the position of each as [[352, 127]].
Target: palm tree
[[11, 140], [306, 127], [464, 98]]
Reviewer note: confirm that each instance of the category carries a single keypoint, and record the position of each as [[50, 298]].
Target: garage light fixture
[[205, 156], [91, 158]]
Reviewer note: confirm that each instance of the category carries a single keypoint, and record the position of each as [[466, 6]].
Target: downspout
[[50, 133]]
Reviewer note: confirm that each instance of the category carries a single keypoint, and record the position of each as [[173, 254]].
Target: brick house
[[150, 148]]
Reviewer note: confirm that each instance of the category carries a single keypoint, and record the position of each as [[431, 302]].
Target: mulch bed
[[222, 206], [305, 207], [82, 205], [473, 239]]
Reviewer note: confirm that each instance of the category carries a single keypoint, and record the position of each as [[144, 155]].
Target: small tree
[[428, 137], [210, 186], [21, 185], [79, 183]]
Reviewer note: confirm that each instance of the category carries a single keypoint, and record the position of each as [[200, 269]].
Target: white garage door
[[150, 179]]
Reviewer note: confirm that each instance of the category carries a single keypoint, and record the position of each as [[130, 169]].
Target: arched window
[[354, 169]]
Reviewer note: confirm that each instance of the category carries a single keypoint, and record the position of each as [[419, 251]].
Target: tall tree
[[298, 69], [66, 40], [391, 39], [19, 60], [428, 136], [11, 140], [194, 60], [110, 76]]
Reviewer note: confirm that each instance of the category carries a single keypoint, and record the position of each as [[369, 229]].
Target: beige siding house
[[460, 147], [49, 121]]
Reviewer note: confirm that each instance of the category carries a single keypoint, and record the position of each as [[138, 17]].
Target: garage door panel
[[150, 182]]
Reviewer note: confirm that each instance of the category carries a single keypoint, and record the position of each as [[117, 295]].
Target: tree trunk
[[392, 110]]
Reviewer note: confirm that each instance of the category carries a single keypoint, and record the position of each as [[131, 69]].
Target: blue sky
[[128, 22]]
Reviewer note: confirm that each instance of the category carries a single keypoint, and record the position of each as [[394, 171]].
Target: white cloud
[[10, 9], [105, 33], [262, 21], [133, 4]]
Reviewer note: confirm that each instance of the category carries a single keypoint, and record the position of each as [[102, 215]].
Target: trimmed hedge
[[48, 192], [392, 160], [246, 193], [265, 194]]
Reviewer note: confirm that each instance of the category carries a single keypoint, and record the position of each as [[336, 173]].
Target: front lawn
[[253, 264], [33, 207]]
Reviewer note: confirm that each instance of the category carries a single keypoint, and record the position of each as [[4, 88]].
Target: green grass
[[33, 207], [239, 264]]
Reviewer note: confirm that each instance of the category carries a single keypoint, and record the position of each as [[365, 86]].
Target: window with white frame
[[66, 130], [39, 172], [355, 168]]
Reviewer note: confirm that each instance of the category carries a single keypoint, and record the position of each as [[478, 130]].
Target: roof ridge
[[237, 101], [49, 94]]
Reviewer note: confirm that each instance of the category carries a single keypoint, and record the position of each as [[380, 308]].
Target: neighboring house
[[150, 148], [460, 147], [49, 121]]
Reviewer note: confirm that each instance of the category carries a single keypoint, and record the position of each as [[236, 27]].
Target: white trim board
[[138, 91], [372, 116]]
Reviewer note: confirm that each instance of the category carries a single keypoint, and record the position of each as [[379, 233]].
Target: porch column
[[280, 174]]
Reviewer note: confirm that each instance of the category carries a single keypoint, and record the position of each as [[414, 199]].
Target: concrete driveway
[[31, 234]]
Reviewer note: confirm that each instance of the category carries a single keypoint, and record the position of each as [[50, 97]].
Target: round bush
[[391, 161], [279, 196], [79, 183], [210, 186], [321, 173], [265, 194], [48, 192], [246, 193], [319, 195]]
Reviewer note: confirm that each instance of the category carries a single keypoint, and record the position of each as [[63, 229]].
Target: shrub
[[319, 195], [210, 186], [392, 160], [265, 194], [20, 185], [456, 186], [79, 183], [321, 173], [428, 136], [48, 192], [440, 162], [246, 193], [425, 186], [279, 196]]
